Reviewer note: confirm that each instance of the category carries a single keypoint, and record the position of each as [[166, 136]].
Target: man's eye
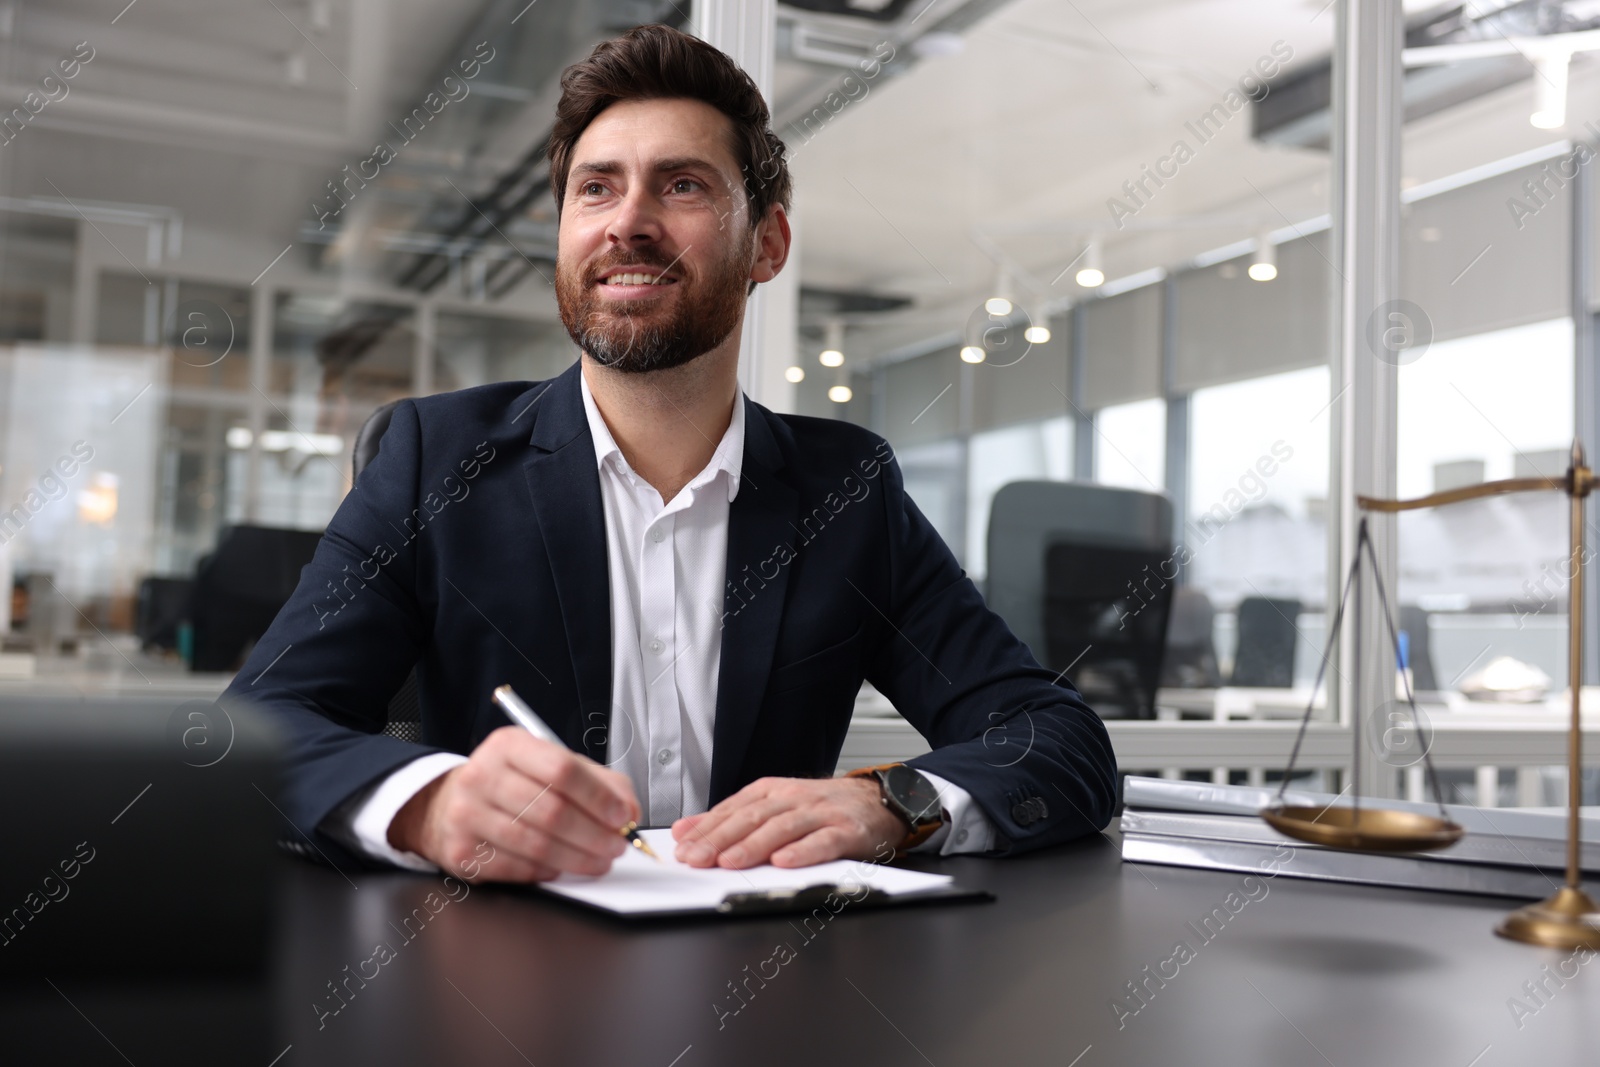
[[685, 181], [588, 186]]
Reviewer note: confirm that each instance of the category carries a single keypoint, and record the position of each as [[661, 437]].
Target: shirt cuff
[[362, 821], [966, 828]]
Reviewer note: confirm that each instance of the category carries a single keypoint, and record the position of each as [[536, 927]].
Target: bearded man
[[688, 588]]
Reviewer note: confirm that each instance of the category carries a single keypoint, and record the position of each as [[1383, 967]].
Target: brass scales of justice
[[1570, 918]]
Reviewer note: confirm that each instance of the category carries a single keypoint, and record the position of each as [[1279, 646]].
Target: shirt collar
[[729, 455]]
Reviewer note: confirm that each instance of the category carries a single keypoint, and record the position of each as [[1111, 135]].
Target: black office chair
[[1264, 656], [405, 707], [163, 607], [1414, 624], [1105, 621], [1067, 571], [1191, 659], [240, 588]]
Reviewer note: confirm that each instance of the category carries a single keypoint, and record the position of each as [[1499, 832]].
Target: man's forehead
[[650, 133]]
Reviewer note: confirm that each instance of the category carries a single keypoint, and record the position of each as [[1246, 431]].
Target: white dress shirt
[[667, 565]]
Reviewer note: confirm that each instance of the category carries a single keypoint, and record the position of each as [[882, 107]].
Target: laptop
[[138, 838]]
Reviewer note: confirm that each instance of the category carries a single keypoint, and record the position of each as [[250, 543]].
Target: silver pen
[[518, 711]]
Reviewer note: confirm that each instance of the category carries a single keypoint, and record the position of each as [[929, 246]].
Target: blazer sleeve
[[1034, 756], [343, 645]]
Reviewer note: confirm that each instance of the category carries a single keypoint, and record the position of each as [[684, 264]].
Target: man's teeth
[[635, 279]]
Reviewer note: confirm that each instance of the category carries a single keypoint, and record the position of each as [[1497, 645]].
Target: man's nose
[[637, 220]]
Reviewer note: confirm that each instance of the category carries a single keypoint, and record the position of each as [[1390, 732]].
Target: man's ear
[[773, 241]]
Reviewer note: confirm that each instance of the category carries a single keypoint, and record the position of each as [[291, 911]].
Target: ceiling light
[[840, 394], [1036, 335], [1550, 91], [1002, 302], [1090, 274], [832, 344], [938, 45], [973, 354], [795, 375], [1264, 265]]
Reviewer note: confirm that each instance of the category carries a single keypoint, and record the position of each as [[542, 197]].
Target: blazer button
[[1030, 811]]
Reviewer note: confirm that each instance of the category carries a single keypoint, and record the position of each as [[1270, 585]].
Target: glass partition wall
[[211, 277]]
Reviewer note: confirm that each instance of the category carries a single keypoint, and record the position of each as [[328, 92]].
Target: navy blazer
[[473, 548]]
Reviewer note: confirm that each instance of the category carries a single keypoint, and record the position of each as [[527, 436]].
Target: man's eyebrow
[[611, 166]]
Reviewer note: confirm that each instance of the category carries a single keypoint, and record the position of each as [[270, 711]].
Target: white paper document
[[637, 884]]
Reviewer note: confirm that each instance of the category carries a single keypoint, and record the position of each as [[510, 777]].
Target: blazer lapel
[[564, 485], [760, 518]]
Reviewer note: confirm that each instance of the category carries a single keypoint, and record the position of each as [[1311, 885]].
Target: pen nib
[[631, 832]]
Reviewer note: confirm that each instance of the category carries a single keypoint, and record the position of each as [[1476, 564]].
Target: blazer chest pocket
[[841, 659]]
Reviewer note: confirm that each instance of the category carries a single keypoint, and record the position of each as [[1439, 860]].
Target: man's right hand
[[540, 808]]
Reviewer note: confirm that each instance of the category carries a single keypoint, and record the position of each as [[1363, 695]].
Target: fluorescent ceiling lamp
[[840, 394], [939, 45], [973, 354], [795, 375], [311, 444]]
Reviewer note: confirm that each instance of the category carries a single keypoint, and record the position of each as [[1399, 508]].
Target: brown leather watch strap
[[918, 834]]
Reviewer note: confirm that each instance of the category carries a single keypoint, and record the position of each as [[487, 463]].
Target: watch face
[[914, 793]]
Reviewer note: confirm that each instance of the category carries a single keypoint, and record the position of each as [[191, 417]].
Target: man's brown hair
[[661, 63]]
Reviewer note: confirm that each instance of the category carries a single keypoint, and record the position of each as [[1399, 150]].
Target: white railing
[[1529, 739]]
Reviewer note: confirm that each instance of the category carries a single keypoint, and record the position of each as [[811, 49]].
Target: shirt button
[[658, 535], [664, 756], [961, 838], [656, 647]]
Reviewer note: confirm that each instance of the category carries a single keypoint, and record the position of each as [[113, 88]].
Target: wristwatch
[[908, 793]]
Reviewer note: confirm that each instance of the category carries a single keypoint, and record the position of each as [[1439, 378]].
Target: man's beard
[[638, 336]]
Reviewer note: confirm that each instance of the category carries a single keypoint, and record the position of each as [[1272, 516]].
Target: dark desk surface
[[1303, 973]]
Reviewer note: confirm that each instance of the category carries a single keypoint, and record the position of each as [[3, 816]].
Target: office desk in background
[[1304, 973]]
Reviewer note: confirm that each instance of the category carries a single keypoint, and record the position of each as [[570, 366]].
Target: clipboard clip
[[782, 900]]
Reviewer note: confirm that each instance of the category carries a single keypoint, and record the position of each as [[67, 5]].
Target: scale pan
[[1364, 830]]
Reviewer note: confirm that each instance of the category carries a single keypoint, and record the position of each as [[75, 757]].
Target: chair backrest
[[1414, 624], [163, 607], [1105, 622], [370, 435], [405, 707], [1264, 656], [240, 587], [1191, 659], [1073, 565]]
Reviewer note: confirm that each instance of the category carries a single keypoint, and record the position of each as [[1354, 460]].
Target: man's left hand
[[791, 822]]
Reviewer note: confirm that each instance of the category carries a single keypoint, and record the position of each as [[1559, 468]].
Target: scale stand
[[1570, 918]]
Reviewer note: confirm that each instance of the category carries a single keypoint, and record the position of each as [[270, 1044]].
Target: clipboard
[[639, 887], [781, 902]]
